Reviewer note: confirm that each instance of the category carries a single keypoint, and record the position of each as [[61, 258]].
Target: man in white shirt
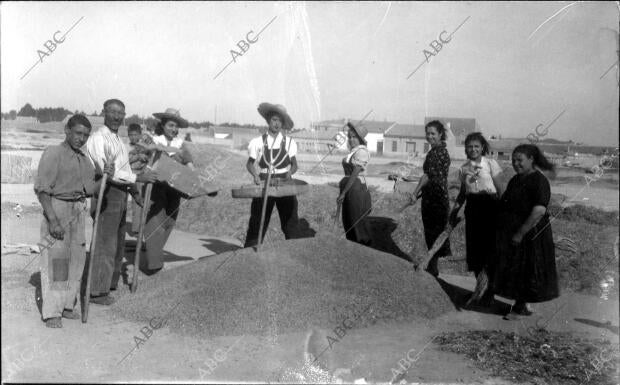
[[103, 145], [275, 152]]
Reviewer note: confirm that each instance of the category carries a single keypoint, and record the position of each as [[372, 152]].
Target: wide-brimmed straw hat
[[172, 114], [266, 109], [360, 131]]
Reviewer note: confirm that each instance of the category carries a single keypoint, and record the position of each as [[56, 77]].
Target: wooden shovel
[[92, 249], [146, 205], [264, 209]]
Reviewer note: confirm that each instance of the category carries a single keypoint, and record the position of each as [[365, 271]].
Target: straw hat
[[172, 114], [265, 109], [360, 131]]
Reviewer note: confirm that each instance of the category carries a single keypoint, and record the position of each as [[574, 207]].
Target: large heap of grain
[[288, 286]]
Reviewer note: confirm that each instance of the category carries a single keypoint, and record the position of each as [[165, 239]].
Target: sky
[[324, 60]]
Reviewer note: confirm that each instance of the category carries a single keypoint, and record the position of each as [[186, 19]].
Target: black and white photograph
[[321, 192]]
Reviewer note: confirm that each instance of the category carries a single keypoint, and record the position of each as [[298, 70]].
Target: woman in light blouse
[[480, 188], [354, 195]]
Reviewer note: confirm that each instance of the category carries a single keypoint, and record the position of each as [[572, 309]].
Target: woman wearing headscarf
[[354, 195], [480, 187], [433, 187], [526, 270], [165, 201]]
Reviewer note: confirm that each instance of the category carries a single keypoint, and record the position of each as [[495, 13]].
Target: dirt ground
[[106, 348]]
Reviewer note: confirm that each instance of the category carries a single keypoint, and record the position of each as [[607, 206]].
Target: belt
[[280, 176], [81, 198]]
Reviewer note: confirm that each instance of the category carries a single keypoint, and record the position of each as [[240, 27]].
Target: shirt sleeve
[[254, 147], [361, 158], [541, 190], [495, 168], [292, 148], [47, 171]]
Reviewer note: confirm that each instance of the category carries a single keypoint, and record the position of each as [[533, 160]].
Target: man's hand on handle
[[108, 168], [148, 176]]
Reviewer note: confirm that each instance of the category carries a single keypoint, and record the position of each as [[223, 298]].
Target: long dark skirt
[[527, 272], [355, 208], [435, 211], [160, 221], [480, 229]]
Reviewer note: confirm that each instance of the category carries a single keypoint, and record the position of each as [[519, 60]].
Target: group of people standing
[[507, 233], [70, 173]]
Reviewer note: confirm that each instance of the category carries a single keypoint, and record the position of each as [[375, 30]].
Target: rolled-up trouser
[[110, 248], [62, 261]]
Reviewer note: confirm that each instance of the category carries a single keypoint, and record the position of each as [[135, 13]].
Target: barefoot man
[[106, 144], [65, 178], [275, 149]]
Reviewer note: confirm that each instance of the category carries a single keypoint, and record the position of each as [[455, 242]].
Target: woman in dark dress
[[434, 190], [480, 187], [354, 195], [525, 269]]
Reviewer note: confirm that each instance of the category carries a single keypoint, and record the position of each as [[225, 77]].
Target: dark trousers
[[287, 210], [160, 221], [110, 248]]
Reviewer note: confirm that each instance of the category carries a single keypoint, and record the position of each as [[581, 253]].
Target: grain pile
[[289, 286]]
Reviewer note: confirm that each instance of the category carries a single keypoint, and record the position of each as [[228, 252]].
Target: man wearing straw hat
[[273, 152], [105, 144]]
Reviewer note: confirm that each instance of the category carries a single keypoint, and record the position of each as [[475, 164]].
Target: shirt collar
[[68, 147], [276, 140], [106, 130]]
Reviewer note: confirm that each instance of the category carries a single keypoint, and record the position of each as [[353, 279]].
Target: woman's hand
[[257, 180], [340, 199], [516, 239]]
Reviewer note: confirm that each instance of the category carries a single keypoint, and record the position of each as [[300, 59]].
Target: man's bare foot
[[54, 322], [70, 314]]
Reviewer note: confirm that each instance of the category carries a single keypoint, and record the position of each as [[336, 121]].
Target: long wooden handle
[[146, 205], [337, 213], [264, 209], [93, 246]]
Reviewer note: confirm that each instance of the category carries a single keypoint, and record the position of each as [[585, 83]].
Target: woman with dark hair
[[433, 187], [481, 189], [525, 269], [165, 201], [354, 195]]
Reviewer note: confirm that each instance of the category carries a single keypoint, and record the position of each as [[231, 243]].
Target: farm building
[[326, 125], [402, 139], [317, 141], [375, 129]]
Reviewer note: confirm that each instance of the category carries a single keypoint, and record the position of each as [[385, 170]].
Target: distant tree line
[[58, 114]]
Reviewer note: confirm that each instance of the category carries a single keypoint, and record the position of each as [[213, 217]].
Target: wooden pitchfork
[[146, 205]]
